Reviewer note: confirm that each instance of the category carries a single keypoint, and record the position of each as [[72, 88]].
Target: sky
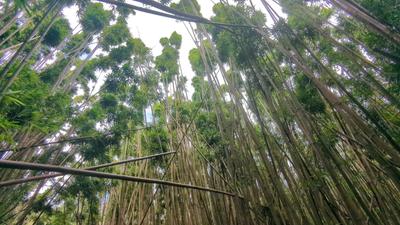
[[150, 28]]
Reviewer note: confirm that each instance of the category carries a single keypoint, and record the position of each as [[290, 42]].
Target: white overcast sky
[[150, 28]]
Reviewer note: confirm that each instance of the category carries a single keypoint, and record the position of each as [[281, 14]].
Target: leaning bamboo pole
[[44, 167], [47, 176], [362, 15]]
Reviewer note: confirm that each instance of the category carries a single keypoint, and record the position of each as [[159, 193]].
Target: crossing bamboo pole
[[47, 176], [44, 167]]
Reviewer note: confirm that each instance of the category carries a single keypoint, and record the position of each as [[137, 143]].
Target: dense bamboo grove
[[294, 122]]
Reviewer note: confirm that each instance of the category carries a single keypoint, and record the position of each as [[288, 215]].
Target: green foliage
[[155, 140], [115, 35], [139, 48], [308, 95], [187, 6], [303, 22], [94, 17], [22, 4], [58, 31], [206, 124], [108, 101], [98, 147], [386, 11], [74, 43], [159, 113], [124, 12], [167, 62], [226, 47], [242, 44], [197, 62], [329, 136], [386, 52], [183, 112], [124, 117], [6, 128], [89, 70], [139, 99], [34, 107], [87, 187], [235, 78], [201, 90], [51, 73], [175, 40], [41, 205], [164, 41], [85, 122], [392, 73], [121, 54]]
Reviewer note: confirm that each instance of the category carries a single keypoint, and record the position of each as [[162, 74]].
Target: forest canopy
[[289, 113]]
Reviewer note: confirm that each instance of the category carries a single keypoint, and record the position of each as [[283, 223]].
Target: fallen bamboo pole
[[44, 167], [47, 176]]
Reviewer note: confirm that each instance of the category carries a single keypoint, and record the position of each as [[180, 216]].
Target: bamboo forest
[[240, 112]]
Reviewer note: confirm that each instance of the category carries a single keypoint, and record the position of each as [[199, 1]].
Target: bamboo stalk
[[35, 178], [44, 167]]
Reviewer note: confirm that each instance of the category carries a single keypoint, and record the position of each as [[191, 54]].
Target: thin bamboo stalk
[[35, 178], [44, 167]]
